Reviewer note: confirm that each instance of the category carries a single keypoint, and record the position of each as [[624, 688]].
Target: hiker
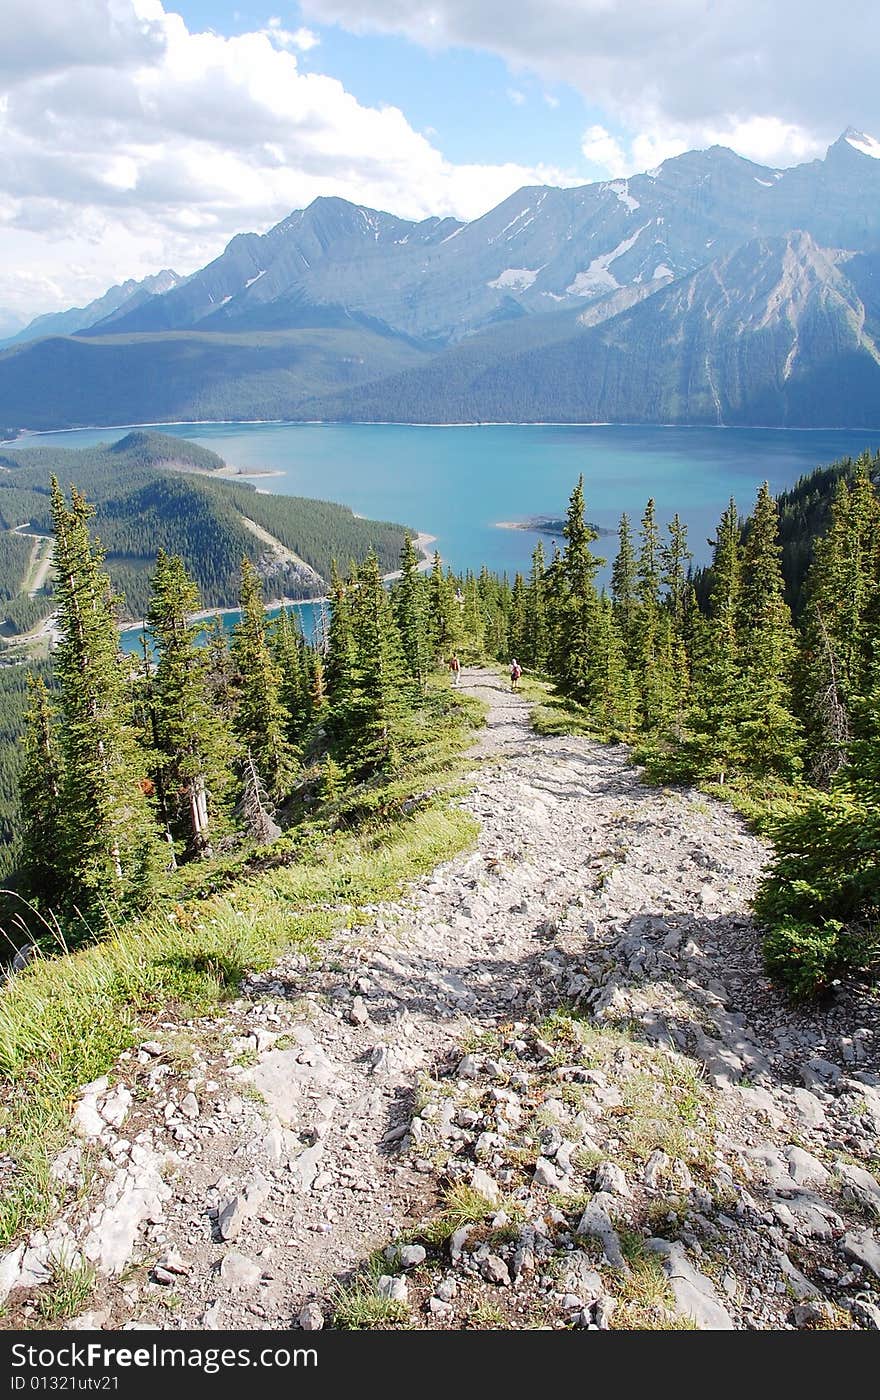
[[515, 673], [455, 668]]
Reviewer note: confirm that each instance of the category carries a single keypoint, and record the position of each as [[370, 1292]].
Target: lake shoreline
[[421, 539], [29, 433]]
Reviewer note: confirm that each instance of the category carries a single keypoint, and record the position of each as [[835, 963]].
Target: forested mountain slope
[[144, 501]]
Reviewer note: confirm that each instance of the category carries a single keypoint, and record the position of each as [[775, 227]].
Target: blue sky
[[136, 135], [471, 102]]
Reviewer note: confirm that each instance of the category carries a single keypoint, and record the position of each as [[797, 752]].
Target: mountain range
[[708, 290]]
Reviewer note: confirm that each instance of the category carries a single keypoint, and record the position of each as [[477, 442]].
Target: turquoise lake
[[456, 483]]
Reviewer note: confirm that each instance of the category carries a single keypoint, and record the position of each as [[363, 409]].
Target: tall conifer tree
[[261, 721], [193, 745], [40, 790], [409, 613], [110, 843]]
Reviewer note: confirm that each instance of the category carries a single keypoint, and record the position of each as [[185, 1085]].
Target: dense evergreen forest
[[146, 497], [136, 771]]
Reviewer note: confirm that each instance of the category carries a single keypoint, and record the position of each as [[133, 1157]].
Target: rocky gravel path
[[572, 1024]]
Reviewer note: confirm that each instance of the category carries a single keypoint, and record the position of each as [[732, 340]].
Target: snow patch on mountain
[[597, 277], [661, 270], [621, 189], [515, 278], [251, 280], [868, 145]]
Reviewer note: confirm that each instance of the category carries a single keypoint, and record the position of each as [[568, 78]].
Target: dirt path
[[315, 1119]]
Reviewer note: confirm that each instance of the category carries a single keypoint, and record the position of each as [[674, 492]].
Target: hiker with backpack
[[515, 673], [455, 668]]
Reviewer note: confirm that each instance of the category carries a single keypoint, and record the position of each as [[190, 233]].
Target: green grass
[[554, 714], [645, 1301], [65, 1019], [462, 1206], [357, 1306], [68, 1293]]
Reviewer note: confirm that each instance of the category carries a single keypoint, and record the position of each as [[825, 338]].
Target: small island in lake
[[548, 525]]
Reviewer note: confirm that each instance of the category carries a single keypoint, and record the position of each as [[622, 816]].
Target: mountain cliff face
[[776, 333], [711, 289]]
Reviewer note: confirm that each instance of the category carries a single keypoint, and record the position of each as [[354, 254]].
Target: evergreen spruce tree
[[261, 721], [650, 559], [472, 614], [713, 719], [842, 590], [291, 656], [676, 560], [624, 586], [409, 612], [651, 665], [220, 670], [576, 597], [191, 741], [518, 625], [605, 691], [376, 704], [770, 739], [537, 624], [109, 848], [340, 641], [442, 608], [40, 792]]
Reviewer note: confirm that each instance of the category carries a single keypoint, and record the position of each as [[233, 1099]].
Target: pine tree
[[261, 721], [650, 554], [472, 609], [518, 628], [40, 791], [376, 702], [770, 738], [291, 655], [219, 670], [676, 560], [110, 851], [538, 648], [340, 641], [624, 585], [842, 591], [576, 597], [605, 691], [652, 666], [409, 613], [192, 743], [441, 610], [714, 715]]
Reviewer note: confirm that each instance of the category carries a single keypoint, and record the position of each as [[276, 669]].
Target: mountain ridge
[[324, 313]]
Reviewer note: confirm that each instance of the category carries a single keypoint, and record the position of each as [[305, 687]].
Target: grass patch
[[68, 1292], [486, 1317], [358, 1307], [64, 1020], [555, 714], [462, 1206], [645, 1302]]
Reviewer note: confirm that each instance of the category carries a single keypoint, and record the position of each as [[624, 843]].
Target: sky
[[135, 137]]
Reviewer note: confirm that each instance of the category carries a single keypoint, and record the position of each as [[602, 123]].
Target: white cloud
[[128, 143], [601, 148], [778, 81], [301, 39], [516, 97]]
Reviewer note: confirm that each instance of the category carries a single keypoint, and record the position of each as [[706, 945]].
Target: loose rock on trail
[[552, 1087]]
